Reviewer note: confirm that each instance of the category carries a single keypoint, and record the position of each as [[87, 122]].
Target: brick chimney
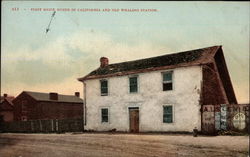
[[53, 96], [77, 94], [5, 95], [104, 61]]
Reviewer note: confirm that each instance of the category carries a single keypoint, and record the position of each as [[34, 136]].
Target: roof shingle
[[61, 98], [187, 58]]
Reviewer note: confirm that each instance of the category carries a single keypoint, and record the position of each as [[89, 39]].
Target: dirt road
[[120, 145]]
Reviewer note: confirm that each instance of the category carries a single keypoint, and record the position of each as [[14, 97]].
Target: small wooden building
[[6, 108], [37, 106]]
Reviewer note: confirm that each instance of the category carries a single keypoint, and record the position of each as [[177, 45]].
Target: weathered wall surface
[[59, 110], [31, 110], [6, 111], [211, 85], [45, 110], [7, 116], [150, 99]]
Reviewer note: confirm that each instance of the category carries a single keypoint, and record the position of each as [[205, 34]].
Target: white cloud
[[88, 47], [56, 56]]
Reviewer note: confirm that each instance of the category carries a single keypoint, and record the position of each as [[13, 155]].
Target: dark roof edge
[[56, 101], [23, 92], [10, 103], [26, 92], [226, 80], [218, 46], [138, 71], [81, 79], [48, 93]]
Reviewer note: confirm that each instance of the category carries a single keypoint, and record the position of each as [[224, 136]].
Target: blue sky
[[33, 60]]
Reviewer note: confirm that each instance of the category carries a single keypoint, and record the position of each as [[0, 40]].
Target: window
[[104, 87], [105, 115], [133, 87], [167, 81], [167, 114]]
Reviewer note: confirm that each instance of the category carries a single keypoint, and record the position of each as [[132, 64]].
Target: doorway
[[134, 119]]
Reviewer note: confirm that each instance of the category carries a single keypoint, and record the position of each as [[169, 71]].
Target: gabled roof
[[61, 98], [8, 99], [186, 58], [6, 103]]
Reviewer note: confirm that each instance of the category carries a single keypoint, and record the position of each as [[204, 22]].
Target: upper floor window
[[167, 81], [104, 87], [168, 114], [133, 84], [105, 115]]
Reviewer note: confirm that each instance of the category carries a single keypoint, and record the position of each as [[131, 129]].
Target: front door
[[134, 120]]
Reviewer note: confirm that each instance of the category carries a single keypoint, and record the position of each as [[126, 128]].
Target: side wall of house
[[7, 116], [45, 110], [150, 99], [6, 111], [225, 77], [211, 85], [30, 111], [59, 110]]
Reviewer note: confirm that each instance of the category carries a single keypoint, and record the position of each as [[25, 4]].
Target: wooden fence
[[43, 126]]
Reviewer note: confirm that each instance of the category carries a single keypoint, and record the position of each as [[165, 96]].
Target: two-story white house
[[158, 94]]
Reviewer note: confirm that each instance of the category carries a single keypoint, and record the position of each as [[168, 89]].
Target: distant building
[[163, 93], [33, 106], [6, 108]]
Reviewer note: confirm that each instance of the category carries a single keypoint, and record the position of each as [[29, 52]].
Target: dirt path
[[121, 145]]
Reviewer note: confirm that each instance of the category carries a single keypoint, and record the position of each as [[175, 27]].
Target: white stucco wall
[[150, 99]]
